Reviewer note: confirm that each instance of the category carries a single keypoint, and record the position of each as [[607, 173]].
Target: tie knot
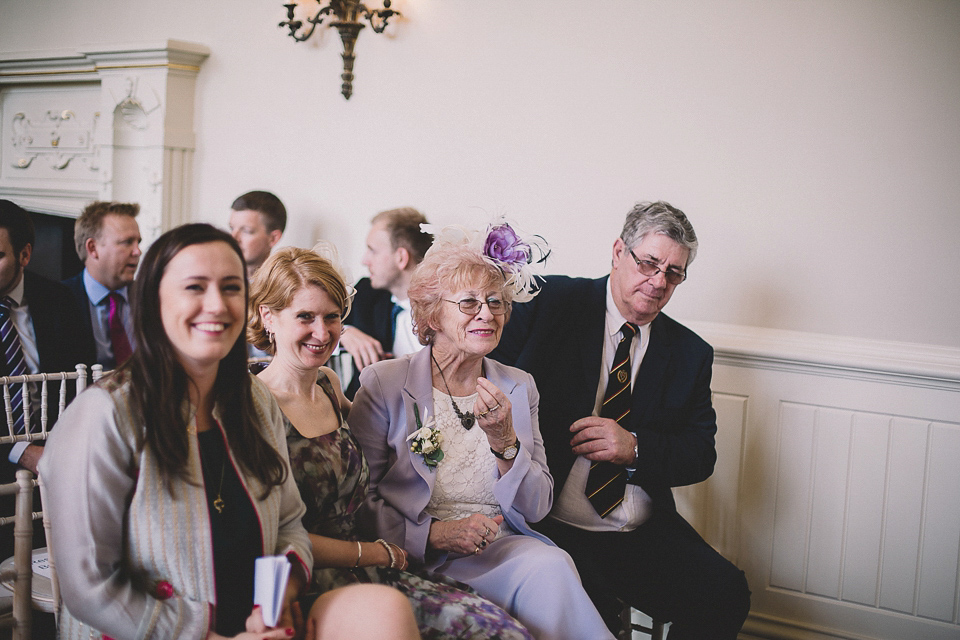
[[7, 303], [628, 330]]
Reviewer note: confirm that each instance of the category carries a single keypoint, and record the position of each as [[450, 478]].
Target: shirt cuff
[[16, 451], [631, 470]]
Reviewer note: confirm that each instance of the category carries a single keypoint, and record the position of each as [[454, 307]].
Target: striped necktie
[[394, 313], [14, 362], [607, 482]]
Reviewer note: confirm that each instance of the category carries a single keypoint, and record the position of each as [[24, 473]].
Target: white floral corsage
[[426, 439]]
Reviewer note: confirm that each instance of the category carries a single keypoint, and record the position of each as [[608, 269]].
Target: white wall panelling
[[837, 487], [111, 123]]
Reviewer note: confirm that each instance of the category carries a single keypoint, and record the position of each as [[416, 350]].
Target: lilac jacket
[[401, 484]]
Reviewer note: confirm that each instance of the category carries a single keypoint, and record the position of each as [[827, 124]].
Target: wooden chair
[[29, 383], [22, 573], [54, 583]]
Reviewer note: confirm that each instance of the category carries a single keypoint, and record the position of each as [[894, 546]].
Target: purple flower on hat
[[504, 246]]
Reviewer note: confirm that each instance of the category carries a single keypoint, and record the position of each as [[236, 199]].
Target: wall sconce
[[347, 14]]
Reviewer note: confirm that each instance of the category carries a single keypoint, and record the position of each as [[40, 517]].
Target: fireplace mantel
[[107, 122]]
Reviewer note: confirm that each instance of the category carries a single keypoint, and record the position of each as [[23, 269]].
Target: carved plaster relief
[[58, 138], [110, 123]]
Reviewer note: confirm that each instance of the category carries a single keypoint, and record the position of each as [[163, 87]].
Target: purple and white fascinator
[[517, 255]]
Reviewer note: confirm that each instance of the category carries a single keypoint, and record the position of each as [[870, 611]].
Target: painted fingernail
[[290, 632]]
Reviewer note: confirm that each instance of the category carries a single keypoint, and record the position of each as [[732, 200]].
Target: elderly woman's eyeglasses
[[472, 306], [651, 269]]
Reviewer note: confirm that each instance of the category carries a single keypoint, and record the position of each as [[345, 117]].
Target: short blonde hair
[[280, 277], [445, 270]]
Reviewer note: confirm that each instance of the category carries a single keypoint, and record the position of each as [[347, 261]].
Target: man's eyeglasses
[[472, 306], [651, 269]]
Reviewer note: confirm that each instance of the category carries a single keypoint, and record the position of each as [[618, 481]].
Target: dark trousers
[[663, 568]]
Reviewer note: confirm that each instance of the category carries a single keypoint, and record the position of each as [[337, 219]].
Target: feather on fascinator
[[328, 251], [517, 255]]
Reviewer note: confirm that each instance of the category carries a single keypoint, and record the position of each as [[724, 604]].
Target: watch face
[[510, 452]]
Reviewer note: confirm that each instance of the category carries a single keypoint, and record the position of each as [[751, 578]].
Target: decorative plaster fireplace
[[107, 123]]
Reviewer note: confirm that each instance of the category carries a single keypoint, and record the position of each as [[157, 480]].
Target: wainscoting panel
[[711, 506], [837, 488]]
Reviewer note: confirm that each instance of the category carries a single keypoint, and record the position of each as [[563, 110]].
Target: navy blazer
[[558, 338], [372, 313], [81, 302]]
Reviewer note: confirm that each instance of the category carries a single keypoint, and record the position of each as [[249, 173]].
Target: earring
[[270, 336]]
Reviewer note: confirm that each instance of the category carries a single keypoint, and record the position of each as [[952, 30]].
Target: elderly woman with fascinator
[[298, 303], [169, 478], [457, 463]]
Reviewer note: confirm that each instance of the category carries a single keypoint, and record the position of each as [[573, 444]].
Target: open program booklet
[[269, 584]]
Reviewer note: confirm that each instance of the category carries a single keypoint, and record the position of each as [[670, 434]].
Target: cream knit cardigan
[[118, 533]]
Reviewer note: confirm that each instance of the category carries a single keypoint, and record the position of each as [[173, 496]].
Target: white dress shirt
[[572, 506], [404, 340]]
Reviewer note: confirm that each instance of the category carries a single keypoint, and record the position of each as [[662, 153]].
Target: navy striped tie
[[607, 482], [14, 362]]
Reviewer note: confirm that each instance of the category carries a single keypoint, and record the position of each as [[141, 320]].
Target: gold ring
[[483, 413], [477, 551]]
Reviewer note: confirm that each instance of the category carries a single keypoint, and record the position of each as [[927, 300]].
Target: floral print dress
[[332, 475]]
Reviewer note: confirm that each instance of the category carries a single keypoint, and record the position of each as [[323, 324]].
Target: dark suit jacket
[[56, 325], [81, 302], [558, 338], [371, 312]]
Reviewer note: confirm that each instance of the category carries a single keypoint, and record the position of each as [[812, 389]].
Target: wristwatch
[[509, 453]]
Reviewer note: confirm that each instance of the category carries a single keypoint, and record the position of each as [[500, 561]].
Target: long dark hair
[[158, 382]]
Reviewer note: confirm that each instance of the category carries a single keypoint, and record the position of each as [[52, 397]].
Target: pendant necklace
[[218, 502], [466, 419]]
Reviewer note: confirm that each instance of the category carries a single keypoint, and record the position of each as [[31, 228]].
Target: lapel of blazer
[[418, 389], [591, 337], [650, 377], [43, 313], [383, 316]]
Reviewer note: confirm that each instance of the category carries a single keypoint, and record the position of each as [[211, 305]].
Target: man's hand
[[31, 457], [364, 349], [602, 439]]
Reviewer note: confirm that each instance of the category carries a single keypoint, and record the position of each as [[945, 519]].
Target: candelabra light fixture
[[346, 16]]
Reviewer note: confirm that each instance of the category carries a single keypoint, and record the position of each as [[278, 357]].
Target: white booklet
[[270, 575]]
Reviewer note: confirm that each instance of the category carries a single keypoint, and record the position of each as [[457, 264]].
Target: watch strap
[[499, 454]]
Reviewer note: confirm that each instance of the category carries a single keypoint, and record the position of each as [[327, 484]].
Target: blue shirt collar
[[97, 292]]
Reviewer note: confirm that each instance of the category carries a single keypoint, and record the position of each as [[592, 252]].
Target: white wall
[[815, 145]]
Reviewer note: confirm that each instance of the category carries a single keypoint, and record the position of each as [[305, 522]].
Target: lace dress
[[333, 477], [465, 478]]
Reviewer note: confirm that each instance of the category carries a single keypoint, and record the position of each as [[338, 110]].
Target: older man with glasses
[[626, 414]]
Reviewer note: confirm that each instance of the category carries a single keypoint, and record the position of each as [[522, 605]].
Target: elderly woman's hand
[[469, 535], [494, 416]]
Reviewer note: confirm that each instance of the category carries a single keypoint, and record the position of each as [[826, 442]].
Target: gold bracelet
[[386, 545], [359, 555]]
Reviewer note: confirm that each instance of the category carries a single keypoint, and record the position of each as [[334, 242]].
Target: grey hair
[[663, 218]]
